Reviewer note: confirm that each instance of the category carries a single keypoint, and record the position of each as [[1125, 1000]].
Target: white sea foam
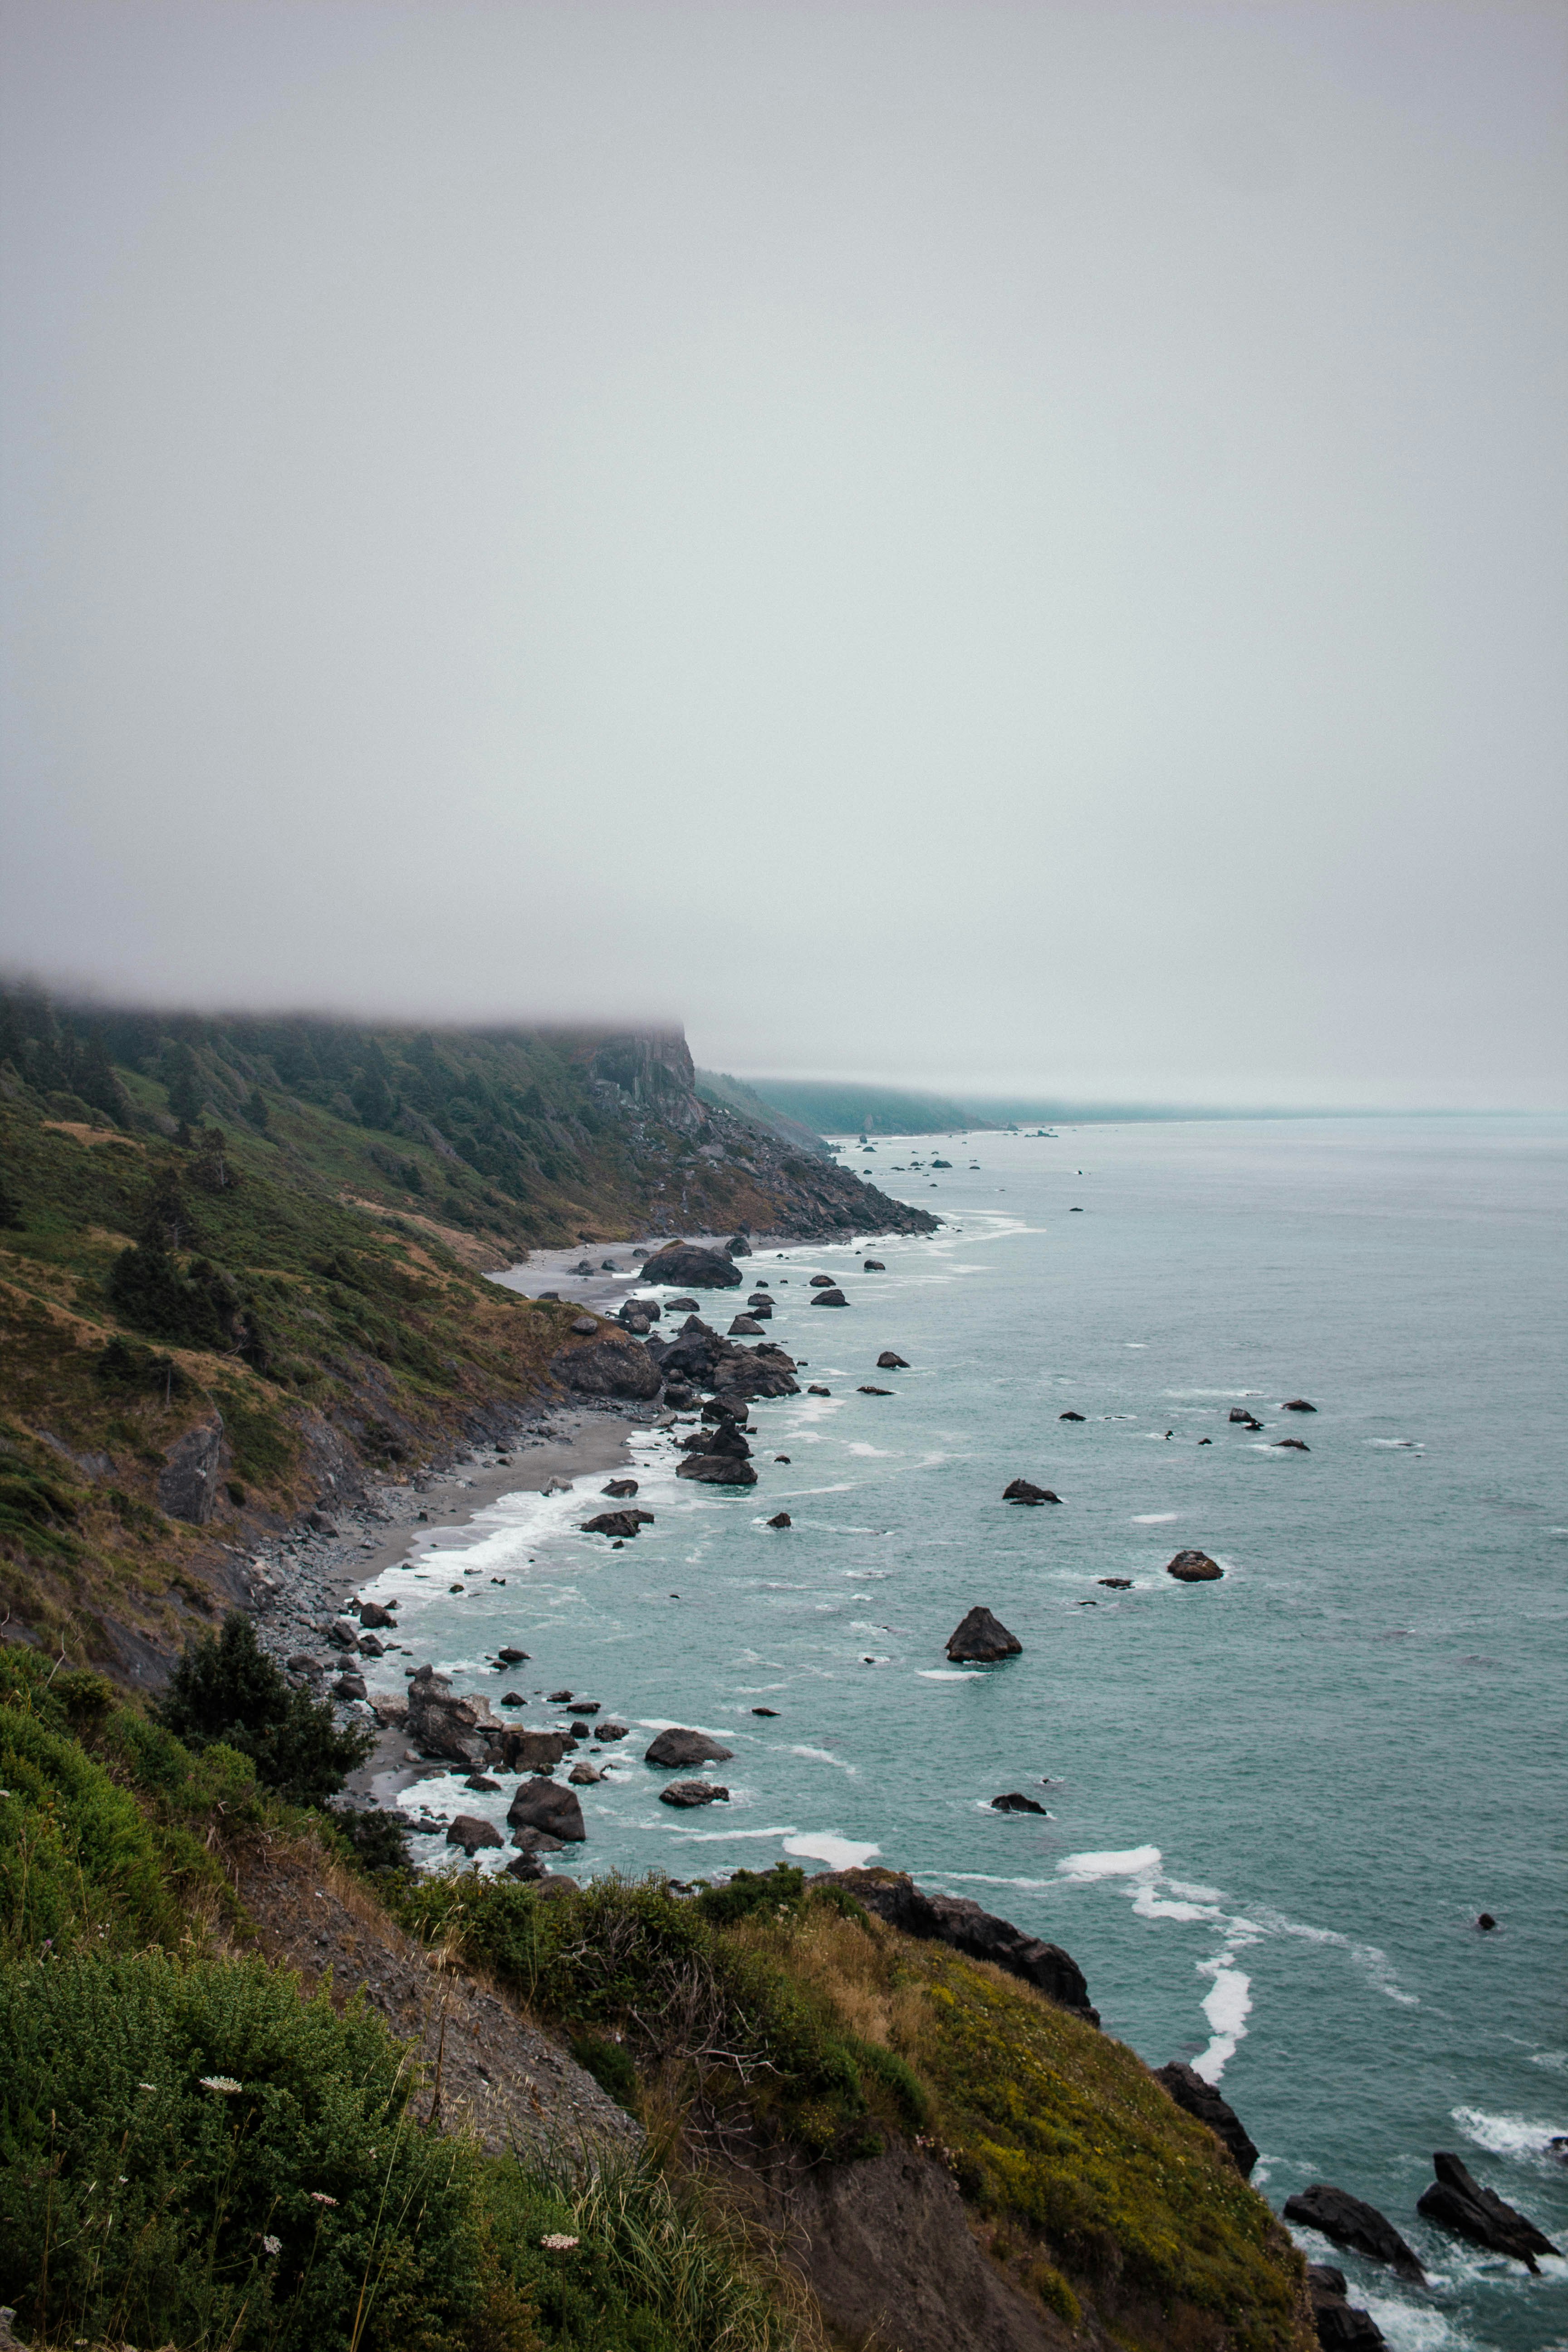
[[838, 1853], [1227, 2007], [1555, 2060], [1408, 2326], [1154, 1519], [1509, 2135], [950, 1673], [821, 1756], [1137, 1862]]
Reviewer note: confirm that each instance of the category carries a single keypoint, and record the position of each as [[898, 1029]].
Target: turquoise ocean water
[[1277, 1804]]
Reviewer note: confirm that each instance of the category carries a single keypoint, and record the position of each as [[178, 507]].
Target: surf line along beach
[[310, 1580]]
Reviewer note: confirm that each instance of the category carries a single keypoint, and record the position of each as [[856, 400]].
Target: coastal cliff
[[243, 1262]]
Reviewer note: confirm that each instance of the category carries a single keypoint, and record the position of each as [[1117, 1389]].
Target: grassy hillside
[[284, 1225], [196, 2152]]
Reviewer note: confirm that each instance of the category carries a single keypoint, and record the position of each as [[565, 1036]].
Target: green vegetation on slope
[[194, 2153], [770, 2009]]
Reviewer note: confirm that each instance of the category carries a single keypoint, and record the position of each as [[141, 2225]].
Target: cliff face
[[242, 1262]]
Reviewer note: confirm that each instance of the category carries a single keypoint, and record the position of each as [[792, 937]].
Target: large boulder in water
[[980, 1637], [716, 1470], [534, 1751], [471, 1830], [1458, 2202], [1194, 1567], [617, 1522], [695, 1269], [615, 1365], [1347, 2220], [1340, 2326], [1021, 1491], [1199, 2099], [694, 1792], [442, 1724], [830, 1298], [679, 1745], [546, 1805], [953, 1920]]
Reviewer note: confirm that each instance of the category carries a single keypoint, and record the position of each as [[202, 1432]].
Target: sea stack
[[982, 1637]]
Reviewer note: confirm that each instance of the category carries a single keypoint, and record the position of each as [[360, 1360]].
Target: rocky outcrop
[[620, 1524], [1341, 2327], [1194, 1567], [830, 1298], [1069, 1416], [746, 1326], [1020, 1491], [442, 1724], [953, 1920], [619, 1488], [1201, 2099], [693, 1269], [686, 1793], [1296, 1404], [1458, 2202], [888, 1363], [981, 1637], [1243, 1419], [779, 1519], [679, 1745], [1347, 2220], [546, 1805], [188, 1482], [1015, 1801], [614, 1365]]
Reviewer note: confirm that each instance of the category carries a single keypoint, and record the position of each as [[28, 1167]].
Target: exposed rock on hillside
[[1201, 2099], [953, 1919]]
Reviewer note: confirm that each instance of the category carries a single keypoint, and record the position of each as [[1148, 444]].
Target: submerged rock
[[621, 1488], [1198, 2098], [875, 1265], [1292, 1445], [982, 1636], [1069, 1416], [1015, 1801], [966, 1927], [1348, 2220], [1458, 2202], [617, 1522], [1194, 1567], [821, 1282], [870, 1391], [694, 1792], [1296, 1404], [1020, 1490], [698, 1269], [512, 1657], [779, 1519], [1245, 1420], [1116, 1584], [679, 1745], [1340, 2326]]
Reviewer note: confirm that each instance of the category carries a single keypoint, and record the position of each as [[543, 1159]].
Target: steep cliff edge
[[242, 1268]]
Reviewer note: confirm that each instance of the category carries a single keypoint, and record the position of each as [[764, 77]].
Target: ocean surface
[[1275, 1804]]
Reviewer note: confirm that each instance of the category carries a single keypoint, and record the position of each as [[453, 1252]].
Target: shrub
[[199, 2155], [76, 1853], [226, 1688]]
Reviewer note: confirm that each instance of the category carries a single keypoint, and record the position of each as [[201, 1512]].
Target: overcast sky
[[991, 545]]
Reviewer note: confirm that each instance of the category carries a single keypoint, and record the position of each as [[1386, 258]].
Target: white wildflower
[[557, 2243], [272, 2245], [320, 2196], [226, 2083]]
